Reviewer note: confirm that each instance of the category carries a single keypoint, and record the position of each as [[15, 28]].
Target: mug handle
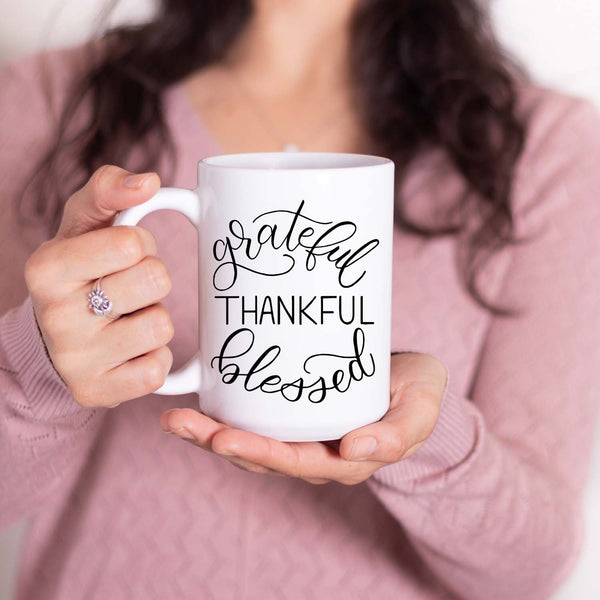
[[187, 202]]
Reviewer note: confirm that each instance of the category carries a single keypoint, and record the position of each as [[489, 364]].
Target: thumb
[[400, 433], [418, 383], [109, 190]]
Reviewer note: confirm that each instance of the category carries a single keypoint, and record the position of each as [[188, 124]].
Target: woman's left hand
[[417, 383]]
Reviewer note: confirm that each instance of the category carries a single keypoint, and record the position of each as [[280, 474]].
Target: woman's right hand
[[104, 361]]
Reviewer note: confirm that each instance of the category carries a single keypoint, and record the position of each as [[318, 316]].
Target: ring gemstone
[[99, 303]]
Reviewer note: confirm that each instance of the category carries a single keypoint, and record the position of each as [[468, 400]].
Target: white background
[[559, 42]]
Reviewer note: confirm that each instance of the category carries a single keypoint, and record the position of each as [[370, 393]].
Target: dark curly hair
[[428, 74]]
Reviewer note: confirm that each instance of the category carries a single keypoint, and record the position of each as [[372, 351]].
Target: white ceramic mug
[[295, 265]]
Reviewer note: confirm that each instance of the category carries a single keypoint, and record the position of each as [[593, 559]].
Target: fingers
[[109, 190], [246, 465], [392, 438], [312, 461], [252, 452], [142, 285], [133, 379], [60, 267], [133, 335], [192, 423], [195, 427], [102, 368]]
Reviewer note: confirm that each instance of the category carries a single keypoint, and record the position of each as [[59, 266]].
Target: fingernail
[[184, 433], [134, 181], [363, 447], [164, 421]]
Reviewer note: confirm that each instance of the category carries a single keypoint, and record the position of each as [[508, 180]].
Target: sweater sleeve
[[492, 501], [44, 433]]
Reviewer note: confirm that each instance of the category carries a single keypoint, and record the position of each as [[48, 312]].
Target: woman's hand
[[417, 382], [104, 361]]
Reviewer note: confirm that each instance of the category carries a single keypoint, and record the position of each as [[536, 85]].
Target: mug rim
[[293, 161]]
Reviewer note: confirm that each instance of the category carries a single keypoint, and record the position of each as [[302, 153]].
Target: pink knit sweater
[[488, 508]]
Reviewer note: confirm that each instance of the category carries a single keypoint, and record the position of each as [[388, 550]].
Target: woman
[[471, 485]]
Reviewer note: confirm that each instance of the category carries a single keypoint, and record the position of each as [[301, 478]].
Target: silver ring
[[99, 303]]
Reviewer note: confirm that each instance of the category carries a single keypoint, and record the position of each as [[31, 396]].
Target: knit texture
[[488, 508]]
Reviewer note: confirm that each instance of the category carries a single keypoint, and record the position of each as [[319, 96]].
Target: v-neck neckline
[[189, 114]]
